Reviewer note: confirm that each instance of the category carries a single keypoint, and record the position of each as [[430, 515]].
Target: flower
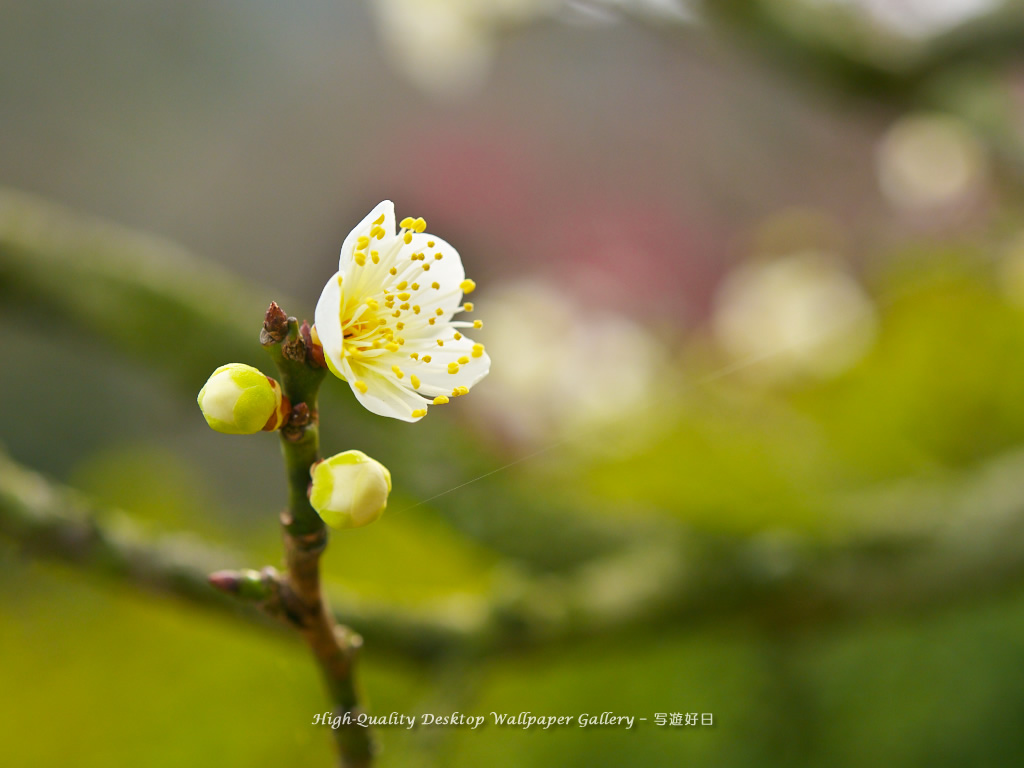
[[238, 399], [385, 323], [349, 489]]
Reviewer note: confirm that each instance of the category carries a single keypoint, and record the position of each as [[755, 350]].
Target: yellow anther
[[382, 321], [396, 370], [419, 413], [379, 219], [467, 307], [376, 344], [360, 258], [415, 309], [440, 343], [401, 341], [361, 386], [415, 286], [397, 313], [404, 306], [438, 311], [478, 323], [453, 367], [406, 223], [419, 225], [375, 255], [414, 380], [407, 237], [457, 336], [436, 286], [478, 350], [393, 270], [467, 286], [400, 326], [378, 232], [459, 391], [432, 320], [362, 242], [401, 285], [430, 243], [426, 358], [440, 400], [391, 346], [438, 256], [404, 296], [372, 304], [426, 267], [415, 355], [463, 360]]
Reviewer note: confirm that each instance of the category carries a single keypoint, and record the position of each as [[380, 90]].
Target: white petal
[[328, 322], [384, 396], [435, 373], [447, 272], [386, 209]]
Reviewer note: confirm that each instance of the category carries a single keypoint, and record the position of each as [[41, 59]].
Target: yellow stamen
[[457, 336], [436, 286], [393, 270], [362, 242], [478, 323], [440, 400], [419, 413], [391, 346], [378, 232], [361, 386], [478, 350], [463, 360], [379, 220], [426, 358], [406, 223], [453, 367], [467, 307], [440, 343], [467, 286], [438, 311], [396, 370], [401, 285], [404, 296], [419, 225], [414, 380], [407, 237]]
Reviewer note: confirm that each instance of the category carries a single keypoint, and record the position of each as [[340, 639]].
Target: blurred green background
[[752, 278]]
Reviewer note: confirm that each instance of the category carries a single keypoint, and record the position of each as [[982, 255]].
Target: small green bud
[[350, 489], [240, 400]]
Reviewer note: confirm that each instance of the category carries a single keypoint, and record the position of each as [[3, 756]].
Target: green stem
[[299, 597]]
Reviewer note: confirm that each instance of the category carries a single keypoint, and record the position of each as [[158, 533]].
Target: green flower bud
[[239, 400], [349, 490]]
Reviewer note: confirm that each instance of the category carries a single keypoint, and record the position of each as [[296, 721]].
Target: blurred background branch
[[920, 544]]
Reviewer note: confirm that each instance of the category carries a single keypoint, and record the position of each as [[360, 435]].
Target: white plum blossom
[[385, 319]]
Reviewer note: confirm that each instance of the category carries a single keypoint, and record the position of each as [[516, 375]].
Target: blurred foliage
[[109, 334]]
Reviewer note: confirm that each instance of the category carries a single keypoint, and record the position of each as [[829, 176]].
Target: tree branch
[[911, 546]]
